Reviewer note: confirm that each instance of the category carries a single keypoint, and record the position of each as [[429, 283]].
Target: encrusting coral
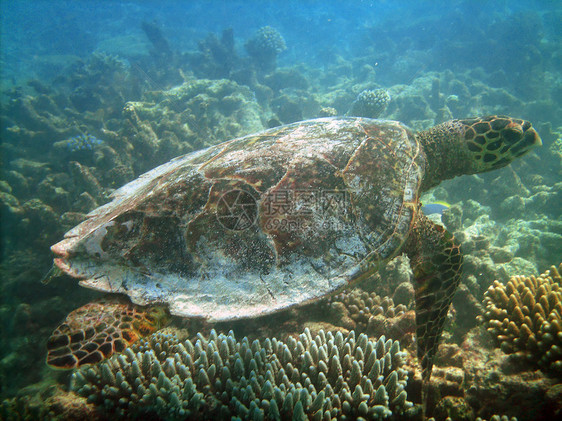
[[525, 318], [324, 377]]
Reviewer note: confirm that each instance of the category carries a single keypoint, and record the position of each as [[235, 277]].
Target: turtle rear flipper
[[436, 261], [98, 329]]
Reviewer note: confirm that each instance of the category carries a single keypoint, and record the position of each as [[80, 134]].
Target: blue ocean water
[[93, 94], [34, 29]]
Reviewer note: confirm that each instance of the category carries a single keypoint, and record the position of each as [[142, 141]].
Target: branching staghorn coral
[[525, 318], [324, 377]]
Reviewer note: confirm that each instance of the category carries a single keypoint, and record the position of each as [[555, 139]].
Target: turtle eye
[[512, 135]]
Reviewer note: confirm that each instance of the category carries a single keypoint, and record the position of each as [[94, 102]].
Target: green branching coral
[[370, 103], [525, 318], [324, 377]]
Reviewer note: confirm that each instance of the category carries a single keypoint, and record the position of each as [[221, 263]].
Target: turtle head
[[474, 145], [495, 141]]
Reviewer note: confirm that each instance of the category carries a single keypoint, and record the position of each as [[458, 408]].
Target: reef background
[[93, 94]]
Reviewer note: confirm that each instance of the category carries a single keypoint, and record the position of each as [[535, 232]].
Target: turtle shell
[[255, 224]]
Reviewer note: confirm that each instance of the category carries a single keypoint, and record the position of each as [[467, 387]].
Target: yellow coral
[[525, 318]]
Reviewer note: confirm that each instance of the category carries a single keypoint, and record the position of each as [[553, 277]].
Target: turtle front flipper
[[98, 329], [436, 261]]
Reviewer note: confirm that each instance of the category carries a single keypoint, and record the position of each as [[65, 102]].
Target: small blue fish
[[435, 207]]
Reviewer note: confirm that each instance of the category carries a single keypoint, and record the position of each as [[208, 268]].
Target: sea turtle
[[268, 221]]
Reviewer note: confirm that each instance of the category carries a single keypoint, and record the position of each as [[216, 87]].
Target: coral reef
[[493, 383], [367, 312], [216, 58], [323, 377], [157, 39], [191, 116], [54, 172], [78, 143], [370, 103], [264, 47], [525, 318], [53, 404], [469, 417]]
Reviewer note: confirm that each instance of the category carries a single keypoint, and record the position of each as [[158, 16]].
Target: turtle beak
[[524, 136], [518, 139]]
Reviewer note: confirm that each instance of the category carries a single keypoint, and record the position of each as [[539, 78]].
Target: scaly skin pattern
[[256, 224], [99, 329], [436, 261], [474, 145]]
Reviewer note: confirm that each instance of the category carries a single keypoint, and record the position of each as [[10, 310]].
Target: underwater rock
[[77, 148], [454, 408], [363, 72], [409, 107], [19, 185], [102, 82], [85, 203], [404, 294], [85, 181], [191, 116], [51, 404], [218, 377], [327, 112], [545, 202], [467, 309], [155, 36], [524, 318], [30, 169], [495, 384], [436, 96], [40, 217], [286, 78], [443, 114], [53, 195], [500, 255], [288, 108], [71, 219], [5, 187], [453, 217], [536, 241], [10, 208], [33, 122], [216, 58]]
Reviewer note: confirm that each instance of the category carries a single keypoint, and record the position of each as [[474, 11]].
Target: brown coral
[[525, 318], [369, 313]]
